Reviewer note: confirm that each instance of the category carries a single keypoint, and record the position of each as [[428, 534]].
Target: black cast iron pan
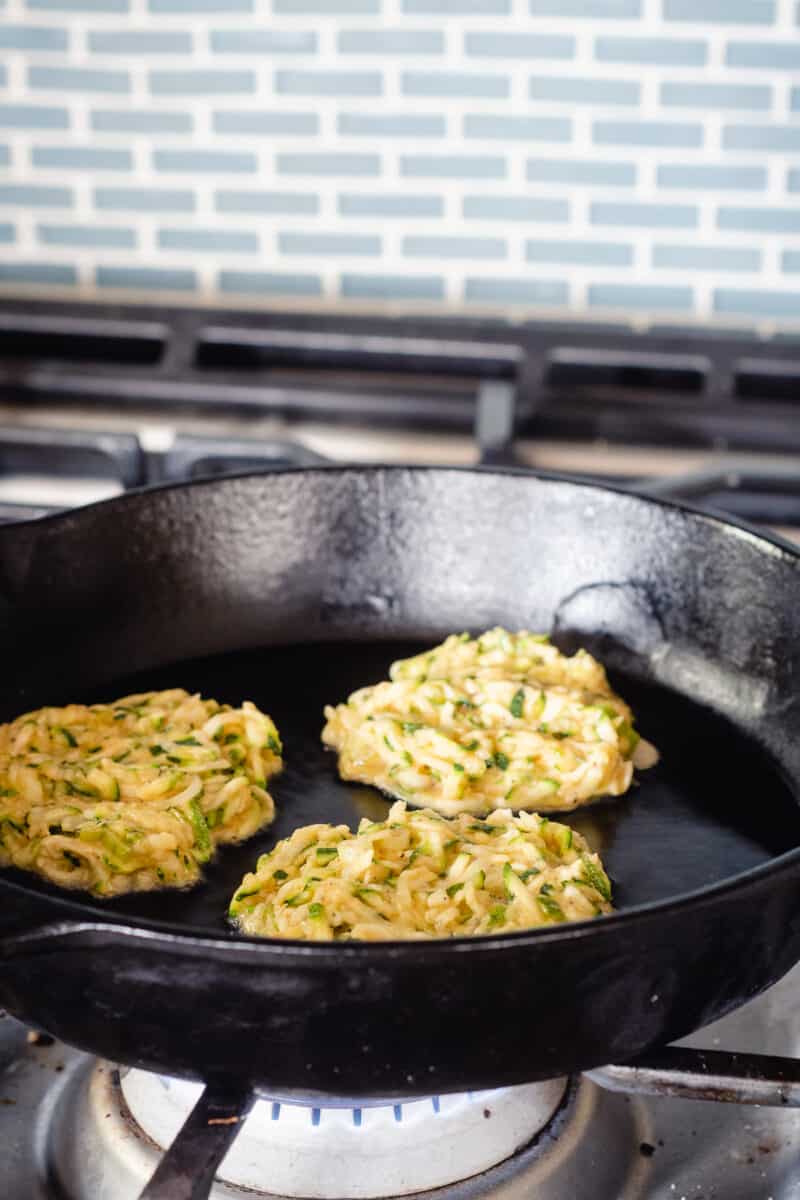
[[291, 590]]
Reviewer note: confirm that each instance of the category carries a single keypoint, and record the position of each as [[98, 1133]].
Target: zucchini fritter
[[420, 875], [133, 795], [500, 720]]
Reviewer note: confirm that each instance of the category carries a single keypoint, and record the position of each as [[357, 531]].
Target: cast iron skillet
[[291, 590]]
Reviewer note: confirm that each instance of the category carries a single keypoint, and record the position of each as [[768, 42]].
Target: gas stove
[[96, 400]]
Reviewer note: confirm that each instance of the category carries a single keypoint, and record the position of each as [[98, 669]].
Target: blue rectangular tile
[[264, 123], [87, 236], [161, 279], [327, 8], [392, 287], [144, 199], [411, 125], [214, 241], [180, 7], [760, 220], [648, 133], [139, 42], [612, 9], [8, 232], [515, 208], [517, 44], [3, 76], [710, 176], [262, 41], [5, 156], [32, 37], [390, 41], [82, 158], [572, 253], [738, 302], [766, 138], [267, 203], [35, 195], [56, 274], [139, 121], [533, 292], [643, 215], [655, 51], [794, 100], [706, 258], [201, 82], [790, 261], [454, 246], [33, 116], [453, 166], [329, 83], [218, 161], [584, 91], [269, 283], [793, 180], [527, 129], [79, 6], [454, 83], [332, 162], [78, 79], [769, 56], [686, 94], [739, 12], [458, 8], [637, 296], [576, 172], [366, 245], [386, 205]]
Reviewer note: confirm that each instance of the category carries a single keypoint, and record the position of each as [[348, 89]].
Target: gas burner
[[350, 1149], [549, 1140]]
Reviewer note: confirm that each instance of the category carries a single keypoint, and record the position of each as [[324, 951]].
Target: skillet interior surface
[[714, 806]]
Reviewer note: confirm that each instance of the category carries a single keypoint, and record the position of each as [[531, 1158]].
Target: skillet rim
[[92, 918]]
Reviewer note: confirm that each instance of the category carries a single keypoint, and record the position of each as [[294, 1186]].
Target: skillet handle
[[187, 1170]]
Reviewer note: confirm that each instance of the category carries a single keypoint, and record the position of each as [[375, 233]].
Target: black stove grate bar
[[590, 381], [69, 452], [12, 513], [763, 492], [188, 1168], [27, 336], [229, 348], [720, 1076], [757, 478], [764, 379], [192, 456], [573, 367]]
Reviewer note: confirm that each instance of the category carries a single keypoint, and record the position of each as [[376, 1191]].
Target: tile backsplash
[[609, 158]]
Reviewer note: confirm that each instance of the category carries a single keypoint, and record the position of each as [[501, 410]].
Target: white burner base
[[353, 1153]]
